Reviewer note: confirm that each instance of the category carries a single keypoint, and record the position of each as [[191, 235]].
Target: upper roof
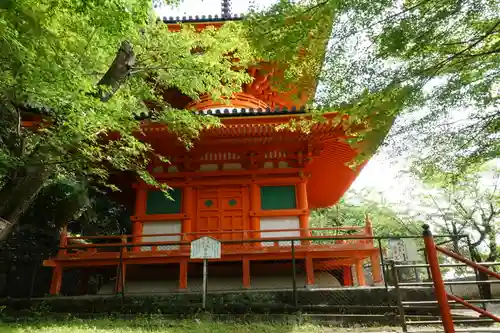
[[199, 18], [202, 12], [248, 112]]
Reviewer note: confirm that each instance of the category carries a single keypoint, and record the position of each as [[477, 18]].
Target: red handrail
[[441, 295], [235, 241], [473, 307], [437, 279], [468, 262], [224, 233]]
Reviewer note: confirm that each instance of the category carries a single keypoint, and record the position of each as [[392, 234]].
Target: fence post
[[382, 263], [437, 279], [121, 271], [399, 297], [294, 277]]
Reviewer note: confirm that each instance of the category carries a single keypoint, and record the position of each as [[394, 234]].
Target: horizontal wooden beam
[[233, 232], [160, 217], [165, 257], [229, 181], [280, 213], [219, 173]]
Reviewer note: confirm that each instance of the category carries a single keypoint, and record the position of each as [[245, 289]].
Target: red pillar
[[140, 209], [120, 279], [183, 275], [347, 274], [309, 271], [440, 291], [376, 268], [246, 273], [360, 273], [56, 282], [188, 198], [254, 207], [303, 205]]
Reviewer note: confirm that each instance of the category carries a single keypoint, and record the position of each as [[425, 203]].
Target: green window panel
[[158, 203], [278, 197]]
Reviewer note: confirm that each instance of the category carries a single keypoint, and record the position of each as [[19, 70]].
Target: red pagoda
[[245, 183]]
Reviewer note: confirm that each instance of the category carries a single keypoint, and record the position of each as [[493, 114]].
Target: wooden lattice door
[[222, 209]]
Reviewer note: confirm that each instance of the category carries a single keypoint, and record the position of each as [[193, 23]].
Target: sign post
[[205, 248]]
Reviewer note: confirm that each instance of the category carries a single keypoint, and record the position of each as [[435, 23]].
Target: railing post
[[399, 297], [121, 271], [57, 273], [437, 279], [382, 263], [294, 277]]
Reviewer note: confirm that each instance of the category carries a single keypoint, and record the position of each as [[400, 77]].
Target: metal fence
[[404, 294]]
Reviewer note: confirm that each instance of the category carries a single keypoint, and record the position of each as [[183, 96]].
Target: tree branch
[[117, 73]]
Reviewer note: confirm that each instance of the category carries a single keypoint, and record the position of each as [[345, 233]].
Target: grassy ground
[[156, 326]]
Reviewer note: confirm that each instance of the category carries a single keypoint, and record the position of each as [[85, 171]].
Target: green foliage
[[468, 205], [87, 67], [386, 220], [436, 61], [55, 52]]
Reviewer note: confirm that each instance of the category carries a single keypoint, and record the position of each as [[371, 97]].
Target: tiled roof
[[245, 112], [200, 19], [225, 15]]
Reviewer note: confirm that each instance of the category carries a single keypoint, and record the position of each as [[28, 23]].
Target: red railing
[[241, 238], [441, 295]]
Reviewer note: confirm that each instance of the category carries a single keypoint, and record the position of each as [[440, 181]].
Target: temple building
[[245, 183]]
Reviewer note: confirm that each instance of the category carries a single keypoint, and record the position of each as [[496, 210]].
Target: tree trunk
[[18, 197], [484, 288], [118, 72]]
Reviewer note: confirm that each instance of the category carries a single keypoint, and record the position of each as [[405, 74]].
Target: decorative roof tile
[[200, 18], [225, 15], [245, 112]]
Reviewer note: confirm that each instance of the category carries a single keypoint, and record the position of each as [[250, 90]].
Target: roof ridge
[[232, 111], [200, 18]]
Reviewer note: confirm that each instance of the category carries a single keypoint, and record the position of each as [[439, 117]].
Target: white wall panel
[[157, 227], [271, 223]]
